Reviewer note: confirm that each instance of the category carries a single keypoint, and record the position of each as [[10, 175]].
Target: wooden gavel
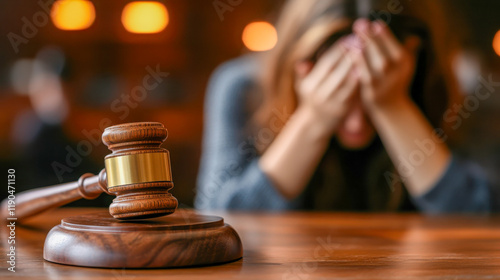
[[137, 171]]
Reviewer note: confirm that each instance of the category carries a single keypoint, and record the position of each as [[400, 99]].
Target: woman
[[340, 115]]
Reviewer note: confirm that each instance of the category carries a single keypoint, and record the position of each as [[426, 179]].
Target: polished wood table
[[302, 245]]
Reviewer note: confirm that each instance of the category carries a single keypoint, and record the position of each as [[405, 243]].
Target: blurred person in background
[[343, 114], [42, 147]]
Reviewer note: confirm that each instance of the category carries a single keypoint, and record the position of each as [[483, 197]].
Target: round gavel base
[[181, 239]]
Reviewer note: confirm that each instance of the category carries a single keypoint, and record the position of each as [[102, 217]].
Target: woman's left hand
[[386, 67], [386, 70]]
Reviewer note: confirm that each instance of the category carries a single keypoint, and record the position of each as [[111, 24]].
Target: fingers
[[386, 39], [362, 67], [376, 59], [335, 79], [348, 90], [324, 66]]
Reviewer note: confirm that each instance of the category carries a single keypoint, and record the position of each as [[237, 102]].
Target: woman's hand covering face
[[328, 88], [386, 67], [370, 67]]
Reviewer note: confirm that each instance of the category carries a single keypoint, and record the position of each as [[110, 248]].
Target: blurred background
[[70, 68]]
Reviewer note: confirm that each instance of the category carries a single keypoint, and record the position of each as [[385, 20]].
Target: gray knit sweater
[[230, 177]]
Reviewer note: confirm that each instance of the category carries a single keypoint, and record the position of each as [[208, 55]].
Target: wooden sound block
[[181, 239]]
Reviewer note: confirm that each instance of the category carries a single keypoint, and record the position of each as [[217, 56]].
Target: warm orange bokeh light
[[259, 36], [496, 43], [72, 14], [144, 17]]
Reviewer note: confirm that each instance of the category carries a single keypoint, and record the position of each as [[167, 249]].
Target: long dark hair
[[304, 27]]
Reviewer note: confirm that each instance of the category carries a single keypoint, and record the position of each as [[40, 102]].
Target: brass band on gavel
[[138, 168]]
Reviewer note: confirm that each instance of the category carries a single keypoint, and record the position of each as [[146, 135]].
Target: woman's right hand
[[327, 89]]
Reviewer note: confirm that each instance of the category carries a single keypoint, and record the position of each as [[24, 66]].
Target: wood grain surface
[[184, 238], [301, 245]]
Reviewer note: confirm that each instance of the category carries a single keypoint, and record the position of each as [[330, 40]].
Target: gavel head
[[138, 171]]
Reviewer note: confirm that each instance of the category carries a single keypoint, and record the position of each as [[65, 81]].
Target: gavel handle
[[33, 202]]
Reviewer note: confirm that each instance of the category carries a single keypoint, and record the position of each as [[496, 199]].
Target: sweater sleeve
[[463, 187], [229, 175]]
